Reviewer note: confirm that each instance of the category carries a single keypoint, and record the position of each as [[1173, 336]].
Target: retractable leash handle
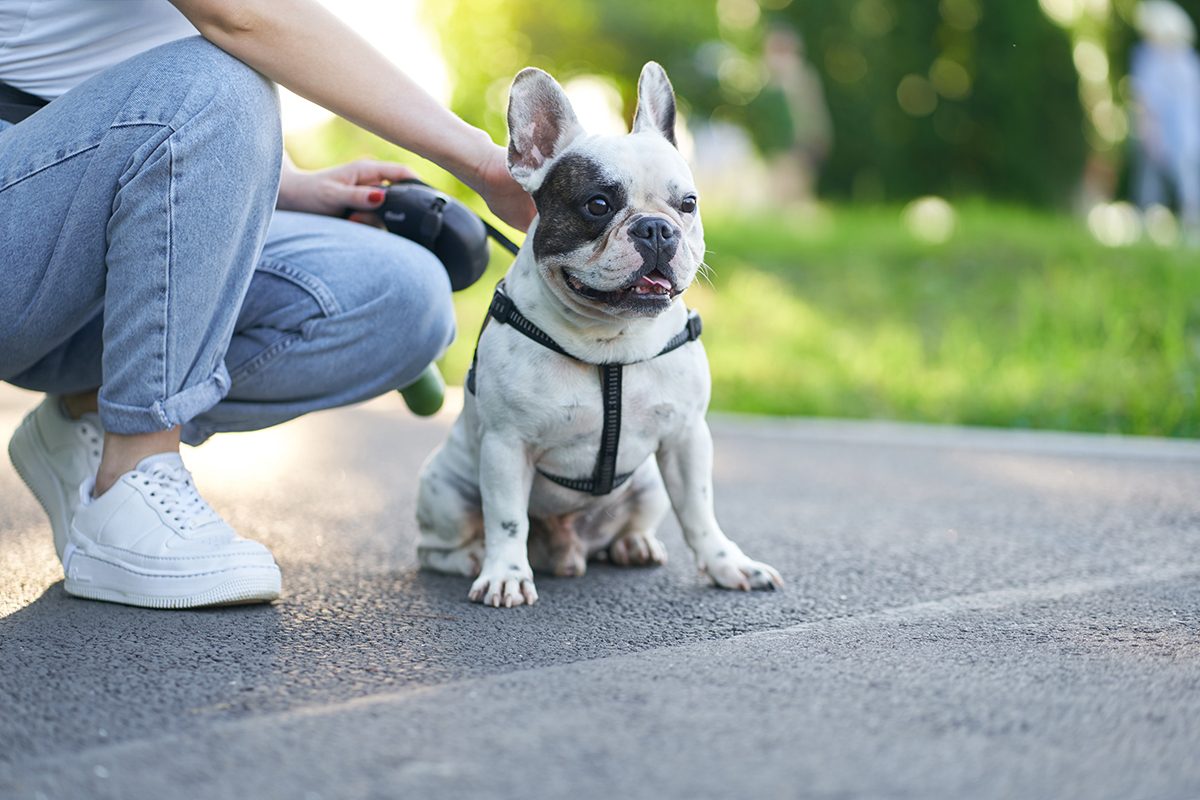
[[458, 237], [425, 396], [440, 224]]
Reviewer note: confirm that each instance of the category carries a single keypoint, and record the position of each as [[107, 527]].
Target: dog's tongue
[[655, 279]]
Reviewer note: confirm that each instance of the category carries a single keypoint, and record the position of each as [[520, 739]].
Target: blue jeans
[[140, 254]]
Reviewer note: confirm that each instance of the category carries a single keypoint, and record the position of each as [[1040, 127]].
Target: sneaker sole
[[37, 474], [96, 578]]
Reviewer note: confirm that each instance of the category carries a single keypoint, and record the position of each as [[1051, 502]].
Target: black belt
[[604, 478], [16, 105]]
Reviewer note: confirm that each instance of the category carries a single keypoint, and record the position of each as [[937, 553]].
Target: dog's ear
[[541, 123], [655, 103]]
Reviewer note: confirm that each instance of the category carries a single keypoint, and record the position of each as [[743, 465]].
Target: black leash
[[604, 476], [500, 238]]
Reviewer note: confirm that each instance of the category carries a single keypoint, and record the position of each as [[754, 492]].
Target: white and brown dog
[[548, 466]]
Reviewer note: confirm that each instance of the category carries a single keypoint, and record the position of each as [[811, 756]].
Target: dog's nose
[[654, 231]]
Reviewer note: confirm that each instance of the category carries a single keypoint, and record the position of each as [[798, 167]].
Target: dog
[[548, 465]]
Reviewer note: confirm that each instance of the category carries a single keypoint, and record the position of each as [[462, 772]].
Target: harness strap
[[610, 433], [690, 333], [604, 477], [585, 485], [505, 311]]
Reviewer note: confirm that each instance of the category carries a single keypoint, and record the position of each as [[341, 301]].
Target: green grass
[[1019, 320]]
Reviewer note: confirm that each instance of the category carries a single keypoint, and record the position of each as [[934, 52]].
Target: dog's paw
[[504, 585], [568, 563], [637, 550], [732, 569]]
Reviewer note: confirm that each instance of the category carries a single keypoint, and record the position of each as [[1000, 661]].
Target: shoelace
[[176, 494]]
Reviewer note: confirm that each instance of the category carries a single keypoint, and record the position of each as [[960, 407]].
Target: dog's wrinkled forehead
[[633, 174]]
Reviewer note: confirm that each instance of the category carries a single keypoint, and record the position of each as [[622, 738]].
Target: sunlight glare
[[597, 104], [930, 219], [1161, 226], [1114, 224], [246, 461], [395, 28]]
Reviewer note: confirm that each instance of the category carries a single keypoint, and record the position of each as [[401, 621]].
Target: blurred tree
[[951, 97], [486, 42]]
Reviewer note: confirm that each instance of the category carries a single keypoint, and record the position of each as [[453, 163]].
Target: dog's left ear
[[656, 102], [541, 123]]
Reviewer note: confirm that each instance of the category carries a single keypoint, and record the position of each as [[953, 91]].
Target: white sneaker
[[53, 454], [152, 541]]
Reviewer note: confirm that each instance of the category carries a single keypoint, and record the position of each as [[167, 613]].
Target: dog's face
[[618, 229]]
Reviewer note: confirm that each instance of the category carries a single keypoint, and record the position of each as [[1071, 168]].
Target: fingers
[[359, 198], [357, 186], [367, 171], [367, 218]]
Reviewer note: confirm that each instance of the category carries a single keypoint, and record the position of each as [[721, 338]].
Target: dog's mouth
[[648, 289]]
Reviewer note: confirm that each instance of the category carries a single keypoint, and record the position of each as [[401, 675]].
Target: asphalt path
[[969, 613]]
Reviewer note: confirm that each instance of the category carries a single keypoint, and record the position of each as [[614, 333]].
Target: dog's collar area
[[505, 311], [604, 477]]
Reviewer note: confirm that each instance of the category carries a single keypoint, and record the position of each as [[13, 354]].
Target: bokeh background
[[914, 211]]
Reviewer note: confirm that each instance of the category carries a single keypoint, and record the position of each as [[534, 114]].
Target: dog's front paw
[[503, 584], [730, 568]]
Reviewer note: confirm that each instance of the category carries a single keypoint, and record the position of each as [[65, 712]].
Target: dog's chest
[[657, 398]]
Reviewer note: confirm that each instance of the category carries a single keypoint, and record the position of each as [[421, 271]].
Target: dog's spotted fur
[[606, 295]]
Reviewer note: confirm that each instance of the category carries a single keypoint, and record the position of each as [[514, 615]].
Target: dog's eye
[[688, 205], [598, 206]]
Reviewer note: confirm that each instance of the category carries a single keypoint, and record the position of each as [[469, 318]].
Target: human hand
[[504, 196], [333, 191]]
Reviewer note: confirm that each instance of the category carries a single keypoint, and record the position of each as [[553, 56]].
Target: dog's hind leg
[[636, 544], [450, 520], [555, 546], [466, 560]]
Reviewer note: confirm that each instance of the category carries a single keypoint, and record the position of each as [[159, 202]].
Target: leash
[[604, 477], [500, 238], [458, 237]]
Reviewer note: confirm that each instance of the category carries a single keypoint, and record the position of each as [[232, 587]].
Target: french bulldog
[[617, 240]]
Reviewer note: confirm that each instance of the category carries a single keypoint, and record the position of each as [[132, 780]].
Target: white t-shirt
[[49, 46]]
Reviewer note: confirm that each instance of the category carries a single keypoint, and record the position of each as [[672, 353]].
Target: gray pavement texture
[[969, 614]]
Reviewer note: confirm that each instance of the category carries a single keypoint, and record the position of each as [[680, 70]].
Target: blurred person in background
[[796, 162], [167, 274], [1165, 75]]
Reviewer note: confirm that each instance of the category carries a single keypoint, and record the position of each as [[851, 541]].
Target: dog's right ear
[[541, 123]]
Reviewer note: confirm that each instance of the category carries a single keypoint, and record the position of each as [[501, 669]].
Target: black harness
[[604, 478]]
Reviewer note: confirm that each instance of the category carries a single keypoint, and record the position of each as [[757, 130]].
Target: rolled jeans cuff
[[166, 413]]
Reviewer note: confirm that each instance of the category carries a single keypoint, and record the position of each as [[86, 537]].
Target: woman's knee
[[199, 85], [397, 309], [379, 308], [209, 67], [413, 323]]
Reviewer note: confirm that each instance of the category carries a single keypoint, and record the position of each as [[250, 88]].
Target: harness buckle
[[502, 306]]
